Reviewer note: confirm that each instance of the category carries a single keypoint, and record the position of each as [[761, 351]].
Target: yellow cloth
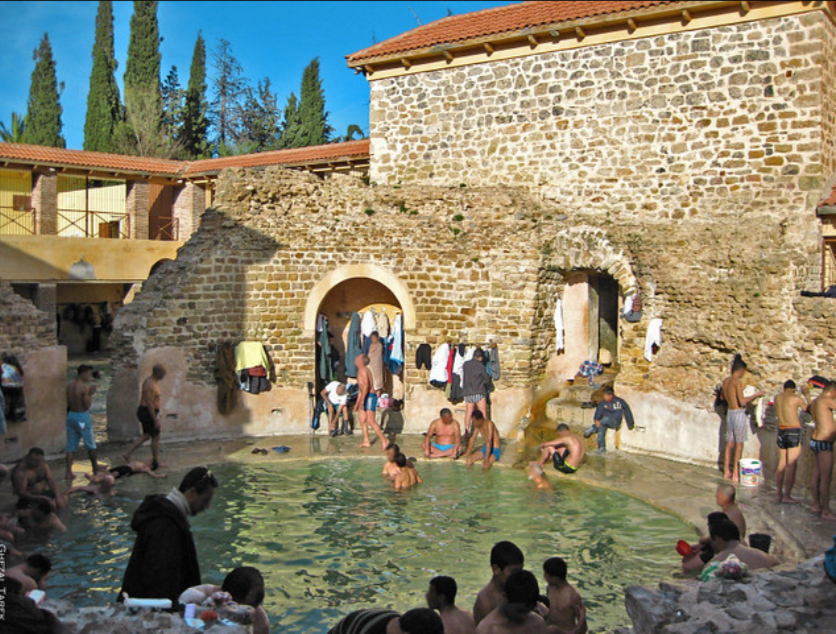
[[251, 354]]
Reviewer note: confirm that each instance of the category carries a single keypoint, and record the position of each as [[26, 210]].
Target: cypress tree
[[104, 109], [172, 96], [143, 101], [291, 136], [315, 128], [43, 115], [195, 124]]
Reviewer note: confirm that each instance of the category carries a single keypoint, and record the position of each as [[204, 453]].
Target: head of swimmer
[[392, 450], [442, 592], [198, 487], [245, 585], [506, 559]]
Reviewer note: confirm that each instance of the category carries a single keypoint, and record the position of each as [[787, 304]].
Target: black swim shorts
[[148, 420], [789, 438]]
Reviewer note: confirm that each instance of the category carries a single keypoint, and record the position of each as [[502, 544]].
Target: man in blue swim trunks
[[447, 437], [79, 422], [491, 450], [367, 403]]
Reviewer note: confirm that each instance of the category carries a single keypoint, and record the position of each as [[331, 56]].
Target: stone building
[[520, 155]]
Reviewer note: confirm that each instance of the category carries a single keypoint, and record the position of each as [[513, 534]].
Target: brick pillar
[[189, 205], [45, 201], [138, 207], [46, 300]]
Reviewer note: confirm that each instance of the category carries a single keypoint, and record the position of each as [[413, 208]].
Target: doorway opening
[[590, 311]]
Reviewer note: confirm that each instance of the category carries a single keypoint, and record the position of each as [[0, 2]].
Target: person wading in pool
[[79, 422], [515, 614], [491, 451], [447, 434], [787, 405], [148, 414], [441, 596], [737, 423], [506, 559], [367, 403], [566, 451], [822, 445], [164, 560]]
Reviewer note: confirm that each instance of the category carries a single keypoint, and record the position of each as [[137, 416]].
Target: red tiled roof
[[120, 163], [495, 21], [296, 156]]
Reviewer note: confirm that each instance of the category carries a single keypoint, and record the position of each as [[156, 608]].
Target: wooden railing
[[15, 222], [93, 224], [167, 229]]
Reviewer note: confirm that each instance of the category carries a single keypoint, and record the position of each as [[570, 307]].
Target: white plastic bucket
[[750, 473]]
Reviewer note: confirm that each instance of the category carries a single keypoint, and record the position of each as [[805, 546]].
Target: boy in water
[[515, 615], [441, 596], [566, 608], [506, 558], [390, 469], [101, 486], [408, 476]]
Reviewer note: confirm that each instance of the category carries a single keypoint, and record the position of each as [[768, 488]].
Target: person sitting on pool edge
[[447, 433], [441, 596], [491, 450], [407, 474], [608, 415], [415, 621], [566, 451], [516, 613], [506, 558], [725, 541], [245, 586]]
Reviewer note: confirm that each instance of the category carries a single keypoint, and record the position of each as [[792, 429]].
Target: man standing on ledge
[[148, 414], [822, 446], [79, 422], [608, 415], [737, 423], [367, 403], [787, 405], [164, 560]]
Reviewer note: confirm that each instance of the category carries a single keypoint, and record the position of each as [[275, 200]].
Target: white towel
[[438, 370], [654, 337], [628, 305], [369, 323], [558, 326]]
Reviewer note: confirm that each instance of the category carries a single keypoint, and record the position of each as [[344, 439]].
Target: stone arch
[[158, 265], [586, 248], [354, 271]]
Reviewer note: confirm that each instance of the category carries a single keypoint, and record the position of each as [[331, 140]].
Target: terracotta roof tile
[[79, 159], [495, 21], [296, 156]]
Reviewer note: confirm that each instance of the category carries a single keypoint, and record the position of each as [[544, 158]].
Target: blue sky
[[270, 39]]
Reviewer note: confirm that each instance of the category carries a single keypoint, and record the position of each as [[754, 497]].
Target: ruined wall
[[725, 120], [23, 328]]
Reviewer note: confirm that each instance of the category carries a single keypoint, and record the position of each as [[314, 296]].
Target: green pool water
[[330, 537]]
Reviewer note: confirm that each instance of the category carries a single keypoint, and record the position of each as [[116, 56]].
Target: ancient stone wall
[[23, 328], [722, 121]]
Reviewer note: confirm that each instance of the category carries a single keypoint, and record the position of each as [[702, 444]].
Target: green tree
[[291, 135], [230, 87], [172, 99], [104, 108], [315, 128], [195, 123], [260, 120], [43, 114], [142, 73], [353, 129], [14, 133]]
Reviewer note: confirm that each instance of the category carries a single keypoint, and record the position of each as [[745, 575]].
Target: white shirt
[[331, 391]]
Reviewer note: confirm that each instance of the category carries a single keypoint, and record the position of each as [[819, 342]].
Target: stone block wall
[[23, 328], [721, 121]]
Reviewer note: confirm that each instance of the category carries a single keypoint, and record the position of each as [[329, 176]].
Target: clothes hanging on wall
[[492, 358], [423, 356], [395, 362], [3, 429], [451, 358], [226, 377], [438, 369], [382, 321], [369, 323], [653, 337], [632, 311], [353, 346], [254, 367], [324, 364], [456, 395], [558, 326], [376, 365], [249, 354], [11, 383]]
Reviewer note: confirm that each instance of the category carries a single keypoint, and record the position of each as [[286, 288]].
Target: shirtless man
[[148, 414], [567, 611], [447, 433], [725, 498], [506, 559], [822, 445], [39, 517], [787, 405], [737, 423], [515, 614], [32, 574], [135, 467], [408, 476], [32, 480], [101, 486], [491, 451], [367, 403], [725, 540], [390, 469], [566, 451], [441, 596], [538, 476], [79, 422]]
